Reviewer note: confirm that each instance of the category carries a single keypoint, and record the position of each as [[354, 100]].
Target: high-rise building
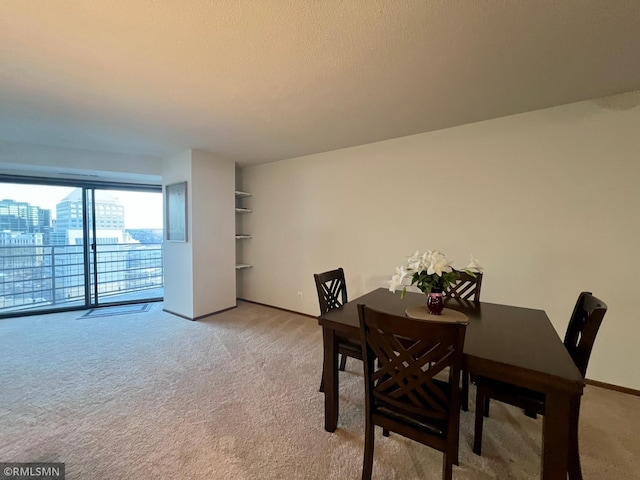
[[24, 218], [109, 218]]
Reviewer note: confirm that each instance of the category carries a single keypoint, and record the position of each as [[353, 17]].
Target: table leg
[[555, 437], [575, 471], [330, 370]]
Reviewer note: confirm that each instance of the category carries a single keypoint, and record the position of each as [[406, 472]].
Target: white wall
[[178, 256], [200, 273], [548, 202], [213, 228]]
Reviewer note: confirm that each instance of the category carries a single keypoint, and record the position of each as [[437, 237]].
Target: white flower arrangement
[[429, 271]]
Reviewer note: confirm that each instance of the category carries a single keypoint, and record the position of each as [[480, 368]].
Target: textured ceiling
[[259, 80]]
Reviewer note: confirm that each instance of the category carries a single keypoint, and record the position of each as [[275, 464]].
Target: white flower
[[474, 266], [439, 264], [427, 258], [415, 261], [439, 267], [430, 270], [399, 279]]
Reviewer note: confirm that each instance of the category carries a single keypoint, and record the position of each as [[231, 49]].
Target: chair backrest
[[466, 287], [332, 289], [401, 358], [583, 328]]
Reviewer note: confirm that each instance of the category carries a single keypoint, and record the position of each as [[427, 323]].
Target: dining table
[[512, 344]]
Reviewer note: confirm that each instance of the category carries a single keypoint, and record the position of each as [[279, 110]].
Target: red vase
[[435, 302]]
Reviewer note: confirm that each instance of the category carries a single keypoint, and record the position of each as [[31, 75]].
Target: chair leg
[[322, 380], [385, 432], [486, 407], [369, 438], [481, 404], [447, 467], [343, 362], [455, 456], [464, 391]]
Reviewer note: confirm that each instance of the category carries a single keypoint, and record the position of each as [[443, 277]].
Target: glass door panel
[[127, 245], [41, 248]]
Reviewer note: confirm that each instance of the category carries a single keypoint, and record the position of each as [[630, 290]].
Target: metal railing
[[50, 276]]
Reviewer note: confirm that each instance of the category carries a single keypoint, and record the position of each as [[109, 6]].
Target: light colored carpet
[[235, 396]]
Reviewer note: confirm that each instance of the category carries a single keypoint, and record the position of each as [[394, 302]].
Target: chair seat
[[428, 425], [512, 394], [351, 348], [433, 426]]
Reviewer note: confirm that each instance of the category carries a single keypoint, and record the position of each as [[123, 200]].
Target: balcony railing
[[51, 276]]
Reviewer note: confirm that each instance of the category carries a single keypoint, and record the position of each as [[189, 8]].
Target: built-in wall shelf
[[240, 208]]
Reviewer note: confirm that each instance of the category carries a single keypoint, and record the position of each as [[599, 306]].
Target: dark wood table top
[[515, 344]]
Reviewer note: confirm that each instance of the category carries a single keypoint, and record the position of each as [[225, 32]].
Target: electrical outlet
[[299, 295]]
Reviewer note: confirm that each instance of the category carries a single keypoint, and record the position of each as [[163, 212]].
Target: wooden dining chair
[[466, 287], [402, 357], [332, 293], [581, 334]]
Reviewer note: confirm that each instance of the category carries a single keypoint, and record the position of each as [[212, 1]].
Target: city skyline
[[143, 210]]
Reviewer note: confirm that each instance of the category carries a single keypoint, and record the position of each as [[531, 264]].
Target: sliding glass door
[[125, 263], [74, 246]]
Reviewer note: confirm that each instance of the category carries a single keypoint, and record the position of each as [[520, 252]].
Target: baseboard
[[278, 308], [610, 386], [200, 317]]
